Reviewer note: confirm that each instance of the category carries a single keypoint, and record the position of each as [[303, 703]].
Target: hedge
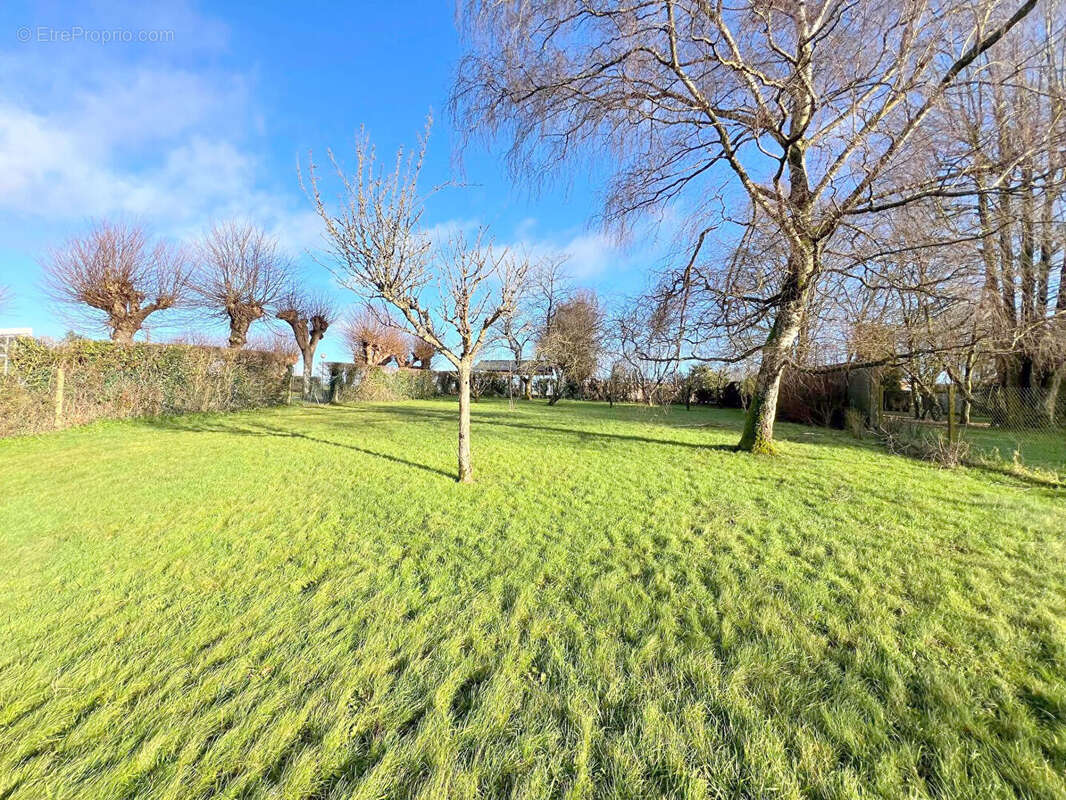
[[103, 380], [355, 382]]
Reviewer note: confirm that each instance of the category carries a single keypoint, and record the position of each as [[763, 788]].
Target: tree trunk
[[466, 470], [308, 359], [238, 333], [758, 434], [122, 335], [556, 391], [1051, 401], [967, 403]]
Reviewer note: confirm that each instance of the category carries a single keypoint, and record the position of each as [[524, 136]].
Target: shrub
[[360, 383], [924, 442], [813, 398], [737, 394]]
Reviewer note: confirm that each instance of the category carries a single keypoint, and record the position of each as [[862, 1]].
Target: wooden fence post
[[60, 376], [952, 432]]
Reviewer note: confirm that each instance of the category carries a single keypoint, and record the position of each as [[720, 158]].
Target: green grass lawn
[[1041, 449], [302, 603]]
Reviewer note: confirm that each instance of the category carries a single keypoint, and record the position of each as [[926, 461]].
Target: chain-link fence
[[317, 391], [1015, 426]]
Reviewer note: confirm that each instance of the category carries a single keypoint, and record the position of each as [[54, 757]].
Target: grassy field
[[302, 603], [1042, 450]]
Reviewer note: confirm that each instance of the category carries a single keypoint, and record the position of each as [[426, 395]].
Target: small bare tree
[[546, 287], [380, 250], [119, 274], [309, 316], [241, 274], [518, 329], [572, 342]]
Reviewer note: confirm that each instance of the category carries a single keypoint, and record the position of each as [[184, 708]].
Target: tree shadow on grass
[[187, 425], [502, 420]]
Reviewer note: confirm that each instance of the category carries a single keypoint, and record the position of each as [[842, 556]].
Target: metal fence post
[[60, 376]]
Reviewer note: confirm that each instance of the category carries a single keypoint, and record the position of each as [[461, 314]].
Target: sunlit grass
[[1038, 449], [303, 603]]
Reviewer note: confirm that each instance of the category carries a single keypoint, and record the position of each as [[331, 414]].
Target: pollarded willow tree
[[422, 353], [240, 275], [117, 273], [380, 250], [309, 315], [373, 341], [809, 105]]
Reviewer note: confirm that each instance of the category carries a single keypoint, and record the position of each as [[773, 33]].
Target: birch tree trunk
[[758, 436]]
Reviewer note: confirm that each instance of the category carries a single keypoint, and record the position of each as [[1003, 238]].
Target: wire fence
[[318, 392], [1014, 426]]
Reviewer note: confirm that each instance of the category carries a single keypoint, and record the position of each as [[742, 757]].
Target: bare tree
[[404, 349], [241, 274], [422, 353], [374, 338], [1014, 122], [809, 105], [518, 333], [119, 274], [572, 342], [646, 349], [410, 351], [309, 316], [546, 286], [380, 250]]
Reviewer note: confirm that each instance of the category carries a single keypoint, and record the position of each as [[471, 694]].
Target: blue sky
[[211, 124]]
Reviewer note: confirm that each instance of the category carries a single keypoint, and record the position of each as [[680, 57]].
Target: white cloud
[[588, 255], [125, 149], [591, 255], [95, 132]]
